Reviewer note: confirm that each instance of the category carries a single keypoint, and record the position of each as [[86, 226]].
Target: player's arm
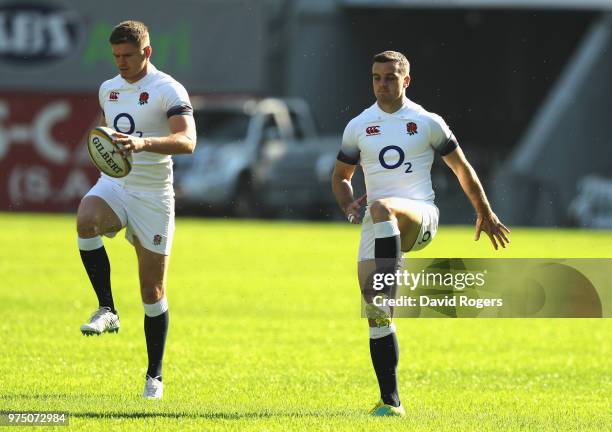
[[486, 220], [343, 191], [346, 161], [182, 138]]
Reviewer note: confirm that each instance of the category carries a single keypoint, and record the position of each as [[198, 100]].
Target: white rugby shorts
[[429, 227], [146, 215]]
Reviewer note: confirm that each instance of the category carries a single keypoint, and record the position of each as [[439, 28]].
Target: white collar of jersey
[[151, 70], [406, 105]]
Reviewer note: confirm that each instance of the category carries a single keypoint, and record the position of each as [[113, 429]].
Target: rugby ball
[[105, 154]]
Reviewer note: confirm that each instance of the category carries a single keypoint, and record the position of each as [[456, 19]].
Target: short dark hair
[[393, 56], [134, 32]]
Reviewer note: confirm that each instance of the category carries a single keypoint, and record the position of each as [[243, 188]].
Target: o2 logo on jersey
[[372, 130], [400, 159], [132, 128]]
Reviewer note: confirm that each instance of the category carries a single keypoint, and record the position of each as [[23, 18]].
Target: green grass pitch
[[266, 334]]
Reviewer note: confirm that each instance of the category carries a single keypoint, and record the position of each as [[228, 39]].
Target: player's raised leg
[[391, 213], [95, 217], [396, 228], [152, 269]]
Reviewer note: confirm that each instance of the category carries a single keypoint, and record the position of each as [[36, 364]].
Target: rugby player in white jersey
[[394, 140], [153, 119]]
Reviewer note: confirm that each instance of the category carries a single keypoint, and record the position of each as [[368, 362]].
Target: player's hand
[[497, 231], [352, 210], [128, 144]]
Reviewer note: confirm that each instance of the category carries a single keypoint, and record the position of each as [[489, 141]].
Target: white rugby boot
[[102, 320], [153, 389]]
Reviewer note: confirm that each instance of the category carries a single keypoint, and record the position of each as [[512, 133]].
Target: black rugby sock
[[97, 266], [385, 356], [387, 247], [156, 330], [386, 262]]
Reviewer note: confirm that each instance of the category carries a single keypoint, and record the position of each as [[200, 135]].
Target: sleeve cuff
[[449, 147], [343, 157], [179, 110]]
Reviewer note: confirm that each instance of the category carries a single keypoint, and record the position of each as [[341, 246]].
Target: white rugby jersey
[[396, 150], [142, 109]]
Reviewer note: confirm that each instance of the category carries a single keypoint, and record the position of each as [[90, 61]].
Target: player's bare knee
[[152, 293], [87, 225], [381, 211], [85, 232]]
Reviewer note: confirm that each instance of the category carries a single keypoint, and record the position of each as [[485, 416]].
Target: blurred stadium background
[[523, 83]]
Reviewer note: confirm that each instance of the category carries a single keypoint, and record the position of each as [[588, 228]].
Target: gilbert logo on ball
[[105, 154]]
